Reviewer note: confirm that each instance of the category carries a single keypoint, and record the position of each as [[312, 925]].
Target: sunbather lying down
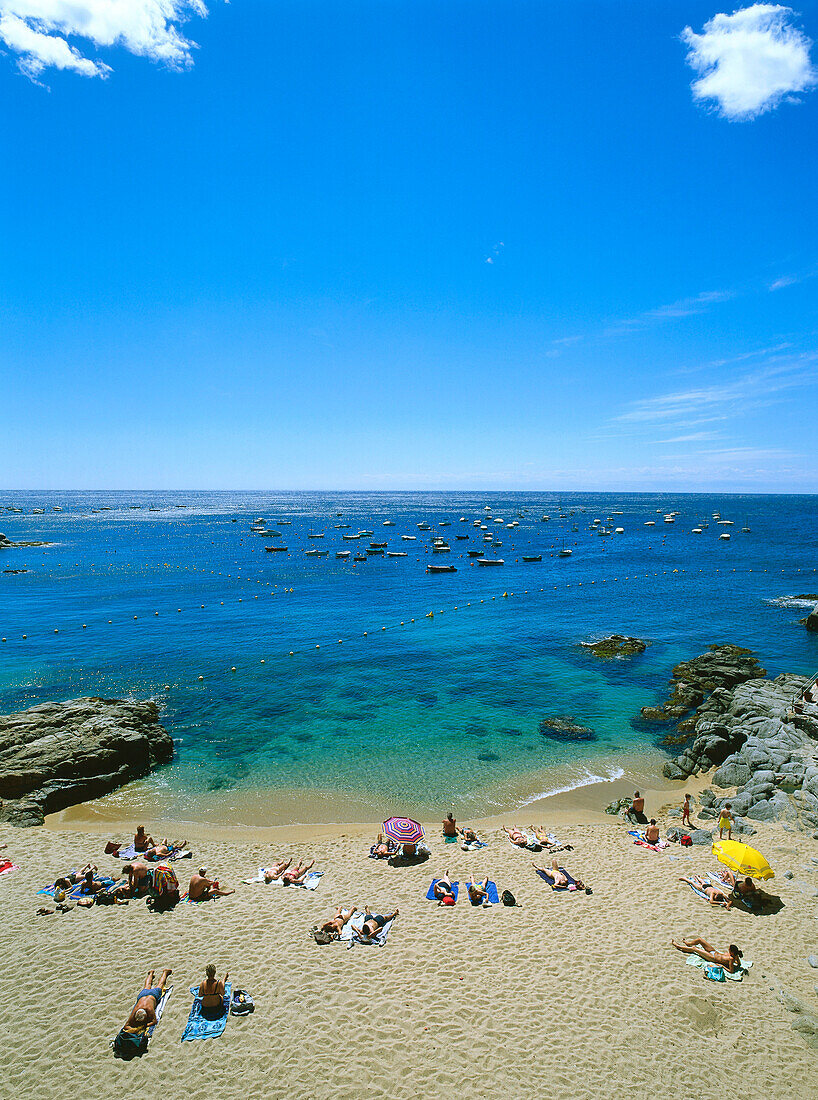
[[444, 891], [335, 925], [559, 878], [143, 1013], [372, 926], [695, 945], [714, 895], [383, 848], [289, 876], [516, 836], [478, 891], [545, 840]]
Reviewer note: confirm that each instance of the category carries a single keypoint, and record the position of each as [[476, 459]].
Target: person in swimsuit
[[297, 875], [726, 821], [468, 836], [745, 888], [211, 990], [202, 888], [383, 848], [686, 812], [516, 837], [443, 890], [652, 832], [335, 925], [372, 925], [139, 881], [636, 810], [272, 874], [450, 826], [714, 895], [478, 891], [141, 841], [143, 1013], [695, 945]]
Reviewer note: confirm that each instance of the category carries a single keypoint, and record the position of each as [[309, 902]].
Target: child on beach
[[726, 822], [686, 812]]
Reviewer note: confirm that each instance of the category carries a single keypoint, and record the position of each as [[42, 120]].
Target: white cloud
[[38, 32], [750, 61]]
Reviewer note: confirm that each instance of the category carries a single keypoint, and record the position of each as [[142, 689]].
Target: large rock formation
[[761, 736], [720, 669], [811, 621], [58, 754]]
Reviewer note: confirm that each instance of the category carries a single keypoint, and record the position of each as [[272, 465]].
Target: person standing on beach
[[726, 821], [686, 812]]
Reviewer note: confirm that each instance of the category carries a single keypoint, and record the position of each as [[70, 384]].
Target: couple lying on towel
[[559, 879], [445, 891], [715, 894], [372, 925], [284, 872], [535, 838]]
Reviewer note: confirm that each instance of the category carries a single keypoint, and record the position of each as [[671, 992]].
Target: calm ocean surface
[[442, 710]]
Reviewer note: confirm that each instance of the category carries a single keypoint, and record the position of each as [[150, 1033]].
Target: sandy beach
[[568, 994]]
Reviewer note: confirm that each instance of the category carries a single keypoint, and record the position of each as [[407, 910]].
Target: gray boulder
[[811, 621], [58, 754], [701, 837], [734, 772]]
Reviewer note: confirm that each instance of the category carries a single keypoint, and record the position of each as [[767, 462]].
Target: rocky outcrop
[[565, 728], [811, 621], [616, 645], [718, 670], [761, 737], [58, 754], [4, 541]]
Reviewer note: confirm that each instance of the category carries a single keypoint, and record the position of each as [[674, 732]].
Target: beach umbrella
[[404, 830], [742, 859]]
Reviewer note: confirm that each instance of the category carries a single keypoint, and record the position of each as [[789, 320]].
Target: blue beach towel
[[544, 875], [493, 896], [450, 840], [80, 892], [202, 1024], [128, 853], [430, 893]]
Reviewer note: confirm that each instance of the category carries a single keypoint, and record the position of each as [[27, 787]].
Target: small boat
[[619, 531], [374, 550], [696, 531], [377, 546], [724, 535], [409, 538], [359, 557], [441, 549], [545, 519], [388, 523], [424, 527], [650, 523], [316, 553], [564, 552], [476, 553], [275, 549], [462, 537], [670, 518], [340, 526], [350, 538], [497, 544], [532, 557], [490, 561], [342, 553], [463, 519], [369, 533], [284, 522], [444, 523], [396, 554], [487, 538], [726, 523], [315, 535], [441, 568]]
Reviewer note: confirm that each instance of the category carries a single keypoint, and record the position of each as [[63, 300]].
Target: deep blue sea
[[343, 685]]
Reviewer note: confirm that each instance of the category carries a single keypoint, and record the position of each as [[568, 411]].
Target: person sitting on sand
[[652, 832], [478, 891], [372, 926], [444, 891], [516, 837], [141, 841], [449, 826], [745, 888], [202, 888], [297, 875], [636, 810], [714, 895], [139, 879], [272, 874], [143, 1013], [695, 945], [409, 853], [335, 925], [211, 990]]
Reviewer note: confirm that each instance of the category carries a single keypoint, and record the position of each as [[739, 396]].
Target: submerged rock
[[565, 728], [616, 645], [58, 754]]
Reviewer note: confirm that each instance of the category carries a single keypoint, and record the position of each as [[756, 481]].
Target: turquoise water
[[443, 708]]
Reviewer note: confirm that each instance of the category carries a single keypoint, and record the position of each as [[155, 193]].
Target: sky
[[392, 244]]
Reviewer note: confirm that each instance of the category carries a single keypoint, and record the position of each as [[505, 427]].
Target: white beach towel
[[309, 883], [356, 924]]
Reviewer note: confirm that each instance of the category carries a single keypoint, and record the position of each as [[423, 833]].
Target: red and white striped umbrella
[[404, 830]]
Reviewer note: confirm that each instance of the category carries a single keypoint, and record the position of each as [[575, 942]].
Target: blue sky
[[263, 262]]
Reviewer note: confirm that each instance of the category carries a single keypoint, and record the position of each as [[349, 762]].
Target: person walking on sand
[[726, 822], [450, 826], [695, 945], [686, 812]]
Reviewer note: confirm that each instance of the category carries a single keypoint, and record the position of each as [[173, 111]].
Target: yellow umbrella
[[742, 859]]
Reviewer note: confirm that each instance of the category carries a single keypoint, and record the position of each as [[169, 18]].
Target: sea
[[303, 687]]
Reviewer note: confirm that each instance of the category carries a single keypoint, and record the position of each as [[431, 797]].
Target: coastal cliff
[[760, 736], [57, 754]]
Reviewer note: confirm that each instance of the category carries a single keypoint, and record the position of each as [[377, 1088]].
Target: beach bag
[[685, 841], [242, 1003], [321, 937], [127, 1045], [714, 973], [507, 898]]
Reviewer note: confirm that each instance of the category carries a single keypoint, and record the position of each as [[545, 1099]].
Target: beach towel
[[493, 896], [79, 890], [640, 840], [696, 960], [6, 866], [309, 883], [430, 893], [474, 845], [203, 1023], [449, 839], [139, 1051], [532, 844], [356, 924], [549, 879], [128, 853]]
